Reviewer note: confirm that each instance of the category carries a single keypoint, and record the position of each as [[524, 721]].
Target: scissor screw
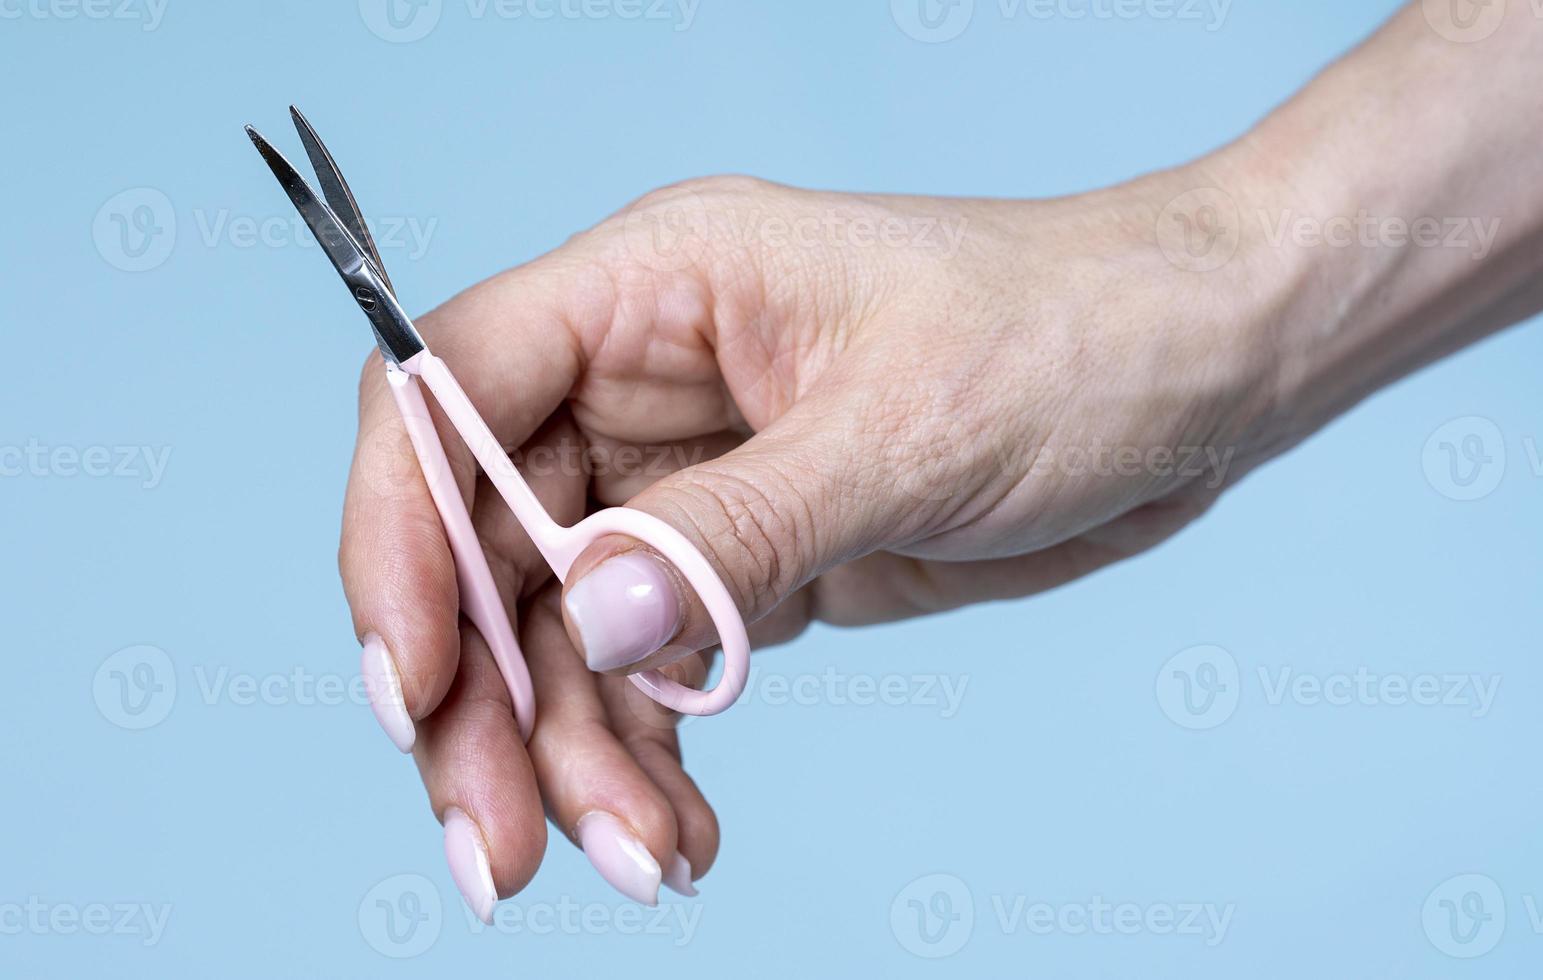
[[366, 298]]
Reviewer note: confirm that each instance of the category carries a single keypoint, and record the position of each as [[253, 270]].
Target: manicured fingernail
[[624, 610], [384, 686], [678, 877], [620, 857], [467, 852]]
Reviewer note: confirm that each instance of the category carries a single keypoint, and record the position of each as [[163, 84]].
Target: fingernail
[[467, 853], [624, 610], [678, 877], [384, 686], [620, 857]]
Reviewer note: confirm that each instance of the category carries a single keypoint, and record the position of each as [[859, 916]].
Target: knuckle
[[727, 186], [649, 748]]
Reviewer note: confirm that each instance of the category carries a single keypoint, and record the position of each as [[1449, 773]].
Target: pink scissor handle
[[479, 595], [699, 574], [561, 546]]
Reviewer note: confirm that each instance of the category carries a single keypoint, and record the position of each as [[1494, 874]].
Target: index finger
[[512, 342]]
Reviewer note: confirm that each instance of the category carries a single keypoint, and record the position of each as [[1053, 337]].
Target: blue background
[[1061, 777]]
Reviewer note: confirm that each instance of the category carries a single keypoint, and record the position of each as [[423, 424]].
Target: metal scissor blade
[[339, 245], [395, 333], [336, 190]]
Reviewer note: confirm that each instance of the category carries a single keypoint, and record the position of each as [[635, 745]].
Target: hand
[[859, 408], [863, 408]]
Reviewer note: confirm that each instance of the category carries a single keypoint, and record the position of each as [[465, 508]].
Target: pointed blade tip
[[261, 142]]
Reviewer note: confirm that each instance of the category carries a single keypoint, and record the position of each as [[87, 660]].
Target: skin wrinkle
[[786, 352], [767, 392], [739, 512]]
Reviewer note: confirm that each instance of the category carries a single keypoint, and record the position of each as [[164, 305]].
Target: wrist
[[1386, 218], [1235, 293]]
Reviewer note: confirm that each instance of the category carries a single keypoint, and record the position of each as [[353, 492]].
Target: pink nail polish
[[678, 877], [384, 686], [467, 853], [620, 857], [624, 610]]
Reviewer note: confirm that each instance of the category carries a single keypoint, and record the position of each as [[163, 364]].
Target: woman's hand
[[901, 404], [859, 408], [862, 408]]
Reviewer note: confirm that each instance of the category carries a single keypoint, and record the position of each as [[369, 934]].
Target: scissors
[[340, 229]]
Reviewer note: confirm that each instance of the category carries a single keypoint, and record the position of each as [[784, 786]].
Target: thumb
[[791, 502]]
